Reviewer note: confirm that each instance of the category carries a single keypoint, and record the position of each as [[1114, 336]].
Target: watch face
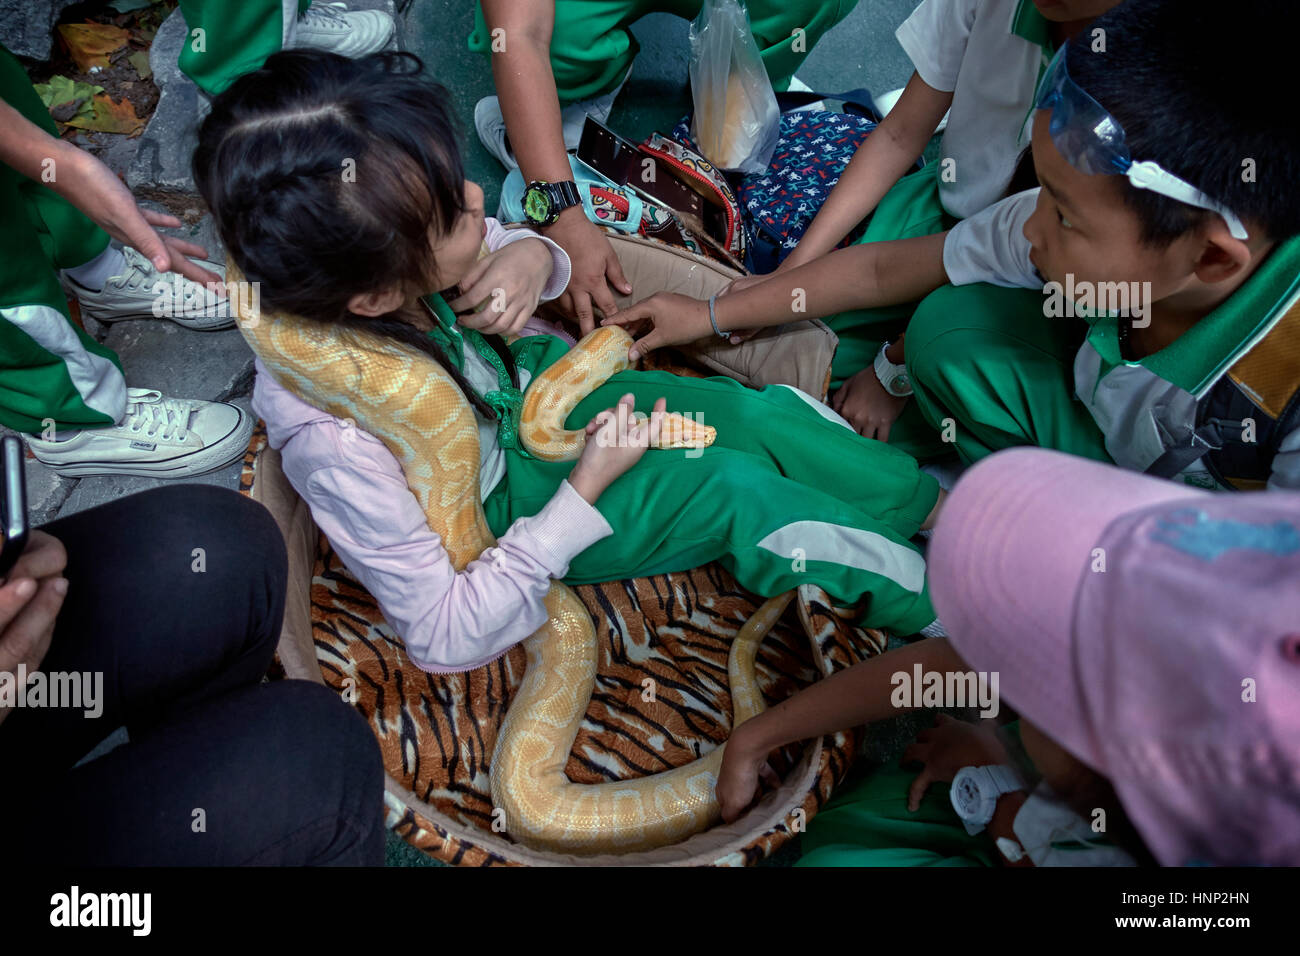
[[966, 795], [537, 205]]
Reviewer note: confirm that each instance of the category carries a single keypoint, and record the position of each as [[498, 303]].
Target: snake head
[[681, 431]]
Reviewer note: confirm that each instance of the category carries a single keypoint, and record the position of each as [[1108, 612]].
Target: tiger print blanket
[[661, 700]]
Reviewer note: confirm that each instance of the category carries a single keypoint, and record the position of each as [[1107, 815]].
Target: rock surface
[[27, 26]]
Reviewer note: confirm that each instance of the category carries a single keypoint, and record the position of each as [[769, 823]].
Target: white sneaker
[[491, 125], [159, 437], [142, 292], [491, 128], [333, 27]]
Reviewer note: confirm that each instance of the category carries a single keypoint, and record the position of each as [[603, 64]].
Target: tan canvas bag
[[797, 353]]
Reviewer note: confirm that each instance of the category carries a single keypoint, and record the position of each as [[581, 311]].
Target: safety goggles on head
[[1094, 142]]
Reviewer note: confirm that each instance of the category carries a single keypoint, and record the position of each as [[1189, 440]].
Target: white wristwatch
[[893, 377], [975, 792]]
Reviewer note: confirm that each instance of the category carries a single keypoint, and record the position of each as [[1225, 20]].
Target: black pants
[[220, 769]]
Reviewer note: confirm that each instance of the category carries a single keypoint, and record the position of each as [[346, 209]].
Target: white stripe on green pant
[[50, 370], [786, 496]]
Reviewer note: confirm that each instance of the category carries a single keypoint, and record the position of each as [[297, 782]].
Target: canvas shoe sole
[[218, 434]]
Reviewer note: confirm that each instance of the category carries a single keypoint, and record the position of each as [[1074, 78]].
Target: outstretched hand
[[665, 318], [865, 404], [95, 189], [744, 764], [616, 440], [947, 747], [595, 268], [507, 284]]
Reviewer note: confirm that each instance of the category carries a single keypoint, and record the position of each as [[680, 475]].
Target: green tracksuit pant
[[592, 49], [51, 372], [233, 37], [868, 824], [786, 496], [990, 371]]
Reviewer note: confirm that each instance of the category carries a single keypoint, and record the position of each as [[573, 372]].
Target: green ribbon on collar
[[506, 400]]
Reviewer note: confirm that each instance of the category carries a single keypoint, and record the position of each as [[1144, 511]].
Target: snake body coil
[[412, 406]]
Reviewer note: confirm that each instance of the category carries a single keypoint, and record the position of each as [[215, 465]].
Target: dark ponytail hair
[[326, 176]]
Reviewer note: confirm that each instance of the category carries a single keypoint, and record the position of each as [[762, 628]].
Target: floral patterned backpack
[[813, 149]]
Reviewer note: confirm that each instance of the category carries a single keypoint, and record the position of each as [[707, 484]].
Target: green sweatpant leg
[[592, 48], [993, 372], [785, 496], [910, 209], [50, 370], [868, 824], [228, 38]]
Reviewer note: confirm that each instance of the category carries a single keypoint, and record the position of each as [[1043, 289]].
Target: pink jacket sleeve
[[450, 621], [498, 236]]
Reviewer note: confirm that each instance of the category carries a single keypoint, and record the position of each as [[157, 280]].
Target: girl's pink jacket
[[358, 496]]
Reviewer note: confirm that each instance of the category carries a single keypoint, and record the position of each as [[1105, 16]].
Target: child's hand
[[665, 318], [507, 284], [871, 410], [744, 762], [596, 272], [947, 747], [615, 442]]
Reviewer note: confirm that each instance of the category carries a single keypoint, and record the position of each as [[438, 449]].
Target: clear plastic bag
[[736, 120]]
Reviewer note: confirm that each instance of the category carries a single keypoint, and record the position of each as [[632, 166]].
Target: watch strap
[[565, 194], [890, 375], [1005, 778]]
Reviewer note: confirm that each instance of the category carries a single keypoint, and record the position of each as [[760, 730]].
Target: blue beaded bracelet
[[713, 318]]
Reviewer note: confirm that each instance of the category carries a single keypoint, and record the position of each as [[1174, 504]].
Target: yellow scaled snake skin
[[410, 404]]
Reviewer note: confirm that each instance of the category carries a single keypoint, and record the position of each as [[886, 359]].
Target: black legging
[[220, 768]]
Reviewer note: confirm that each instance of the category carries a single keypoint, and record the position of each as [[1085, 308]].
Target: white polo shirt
[[991, 246], [989, 54]]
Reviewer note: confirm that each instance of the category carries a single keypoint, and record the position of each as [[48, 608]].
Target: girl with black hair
[[337, 185]]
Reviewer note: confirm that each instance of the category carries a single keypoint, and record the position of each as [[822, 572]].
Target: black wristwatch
[[543, 201]]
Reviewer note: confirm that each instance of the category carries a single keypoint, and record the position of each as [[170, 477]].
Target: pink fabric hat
[[1151, 629]]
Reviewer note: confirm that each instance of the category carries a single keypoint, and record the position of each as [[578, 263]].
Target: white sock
[[93, 274]]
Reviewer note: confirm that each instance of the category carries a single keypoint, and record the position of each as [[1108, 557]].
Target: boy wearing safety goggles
[[1143, 307]]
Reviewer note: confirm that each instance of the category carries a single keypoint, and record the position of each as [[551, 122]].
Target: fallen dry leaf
[[140, 60], [90, 43], [110, 117]]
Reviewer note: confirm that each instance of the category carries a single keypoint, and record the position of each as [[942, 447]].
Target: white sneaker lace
[[325, 16], [139, 270], [151, 414]]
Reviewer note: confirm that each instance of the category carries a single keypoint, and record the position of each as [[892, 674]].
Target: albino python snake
[[410, 404]]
